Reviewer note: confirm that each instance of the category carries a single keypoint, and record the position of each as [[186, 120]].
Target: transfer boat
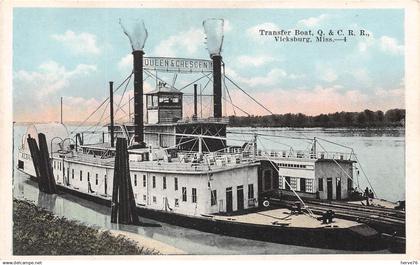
[[183, 172]]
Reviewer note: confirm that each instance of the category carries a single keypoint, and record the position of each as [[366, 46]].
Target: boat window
[[194, 195], [213, 195], [144, 180], [176, 202], [96, 179], [293, 183], [184, 194], [267, 179], [72, 173], [250, 191], [321, 184], [287, 183], [154, 199], [81, 175], [176, 183], [302, 183], [164, 182], [144, 197], [135, 180], [154, 182], [309, 185], [88, 176]]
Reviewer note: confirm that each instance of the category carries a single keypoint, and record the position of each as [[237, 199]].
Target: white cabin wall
[[184, 180], [329, 169], [233, 178]]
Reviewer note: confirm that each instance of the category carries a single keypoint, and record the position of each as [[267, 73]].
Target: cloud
[[273, 77], [50, 77], [185, 43], [361, 75], [257, 60], [126, 63], [317, 100], [79, 43], [326, 73], [385, 44], [34, 92], [254, 32], [312, 21], [227, 26], [391, 45]]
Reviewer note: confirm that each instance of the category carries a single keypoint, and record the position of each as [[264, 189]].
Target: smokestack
[[111, 110], [138, 98], [217, 86], [195, 102], [214, 38], [137, 37]]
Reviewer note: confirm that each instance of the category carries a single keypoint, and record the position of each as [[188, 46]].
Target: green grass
[[39, 232]]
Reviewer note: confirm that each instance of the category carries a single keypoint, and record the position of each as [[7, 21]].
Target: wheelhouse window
[[144, 180], [164, 183], [135, 180], [176, 183], [154, 181]]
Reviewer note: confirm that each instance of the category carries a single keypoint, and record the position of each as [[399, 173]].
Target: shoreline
[[37, 231]]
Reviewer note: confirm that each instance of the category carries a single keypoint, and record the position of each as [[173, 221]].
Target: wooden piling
[[42, 164], [45, 160], [123, 204], [33, 148]]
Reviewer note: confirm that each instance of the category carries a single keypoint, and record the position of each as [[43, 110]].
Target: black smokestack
[[138, 98], [217, 86], [111, 110], [195, 101]]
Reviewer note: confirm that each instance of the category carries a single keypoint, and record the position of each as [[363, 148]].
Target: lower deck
[[284, 217]]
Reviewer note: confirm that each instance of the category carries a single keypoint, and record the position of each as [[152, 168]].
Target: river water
[[381, 154]]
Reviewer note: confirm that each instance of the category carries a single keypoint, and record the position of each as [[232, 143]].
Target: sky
[[74, 53]]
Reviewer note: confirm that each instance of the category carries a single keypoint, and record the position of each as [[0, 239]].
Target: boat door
[[240, 197], [329, 189], [229, 201], [338, 188]]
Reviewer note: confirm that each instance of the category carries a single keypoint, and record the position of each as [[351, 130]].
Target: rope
[[336, 162], [204, 75], [285, 181], [364, 174], [103, 102], [230, 102], [246, 93], [125, 89]]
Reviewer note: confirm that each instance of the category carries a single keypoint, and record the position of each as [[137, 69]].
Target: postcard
[[265, 130]]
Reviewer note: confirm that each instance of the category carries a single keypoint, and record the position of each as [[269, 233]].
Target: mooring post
[[123, 202]]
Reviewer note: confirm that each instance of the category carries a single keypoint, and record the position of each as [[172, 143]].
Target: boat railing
[[304, 154]]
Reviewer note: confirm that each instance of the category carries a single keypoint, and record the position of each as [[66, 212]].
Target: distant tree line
[[366, 118]]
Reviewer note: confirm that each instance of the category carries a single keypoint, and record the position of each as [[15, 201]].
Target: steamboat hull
[[356, 238]]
